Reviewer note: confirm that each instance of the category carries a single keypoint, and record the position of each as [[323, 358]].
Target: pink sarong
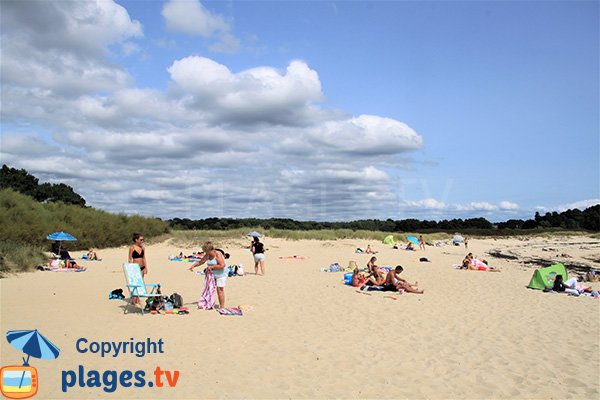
[[208, 296]]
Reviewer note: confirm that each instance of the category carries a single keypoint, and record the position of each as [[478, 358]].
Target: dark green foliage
[[26, 222], [588, 219], [23, 182]]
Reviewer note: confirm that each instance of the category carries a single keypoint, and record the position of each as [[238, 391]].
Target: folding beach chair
[[136, 285]]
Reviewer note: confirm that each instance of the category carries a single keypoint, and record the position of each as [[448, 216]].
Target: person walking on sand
[[258, 251], [215, 262], [137, 253], [421, 243]]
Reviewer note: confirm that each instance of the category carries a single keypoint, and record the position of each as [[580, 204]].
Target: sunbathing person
[[358, 278], [481, 265], [93, 256], [467, 261], [374, 269], [369, 250], [393, 282], [570, 286], [71, 264]]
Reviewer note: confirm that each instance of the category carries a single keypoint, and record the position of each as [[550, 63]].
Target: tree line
[[589, 219]]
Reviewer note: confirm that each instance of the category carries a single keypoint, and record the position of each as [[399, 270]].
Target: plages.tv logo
[[21, 381]]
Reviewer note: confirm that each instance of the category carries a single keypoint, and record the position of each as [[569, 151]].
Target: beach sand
[[472, 335]]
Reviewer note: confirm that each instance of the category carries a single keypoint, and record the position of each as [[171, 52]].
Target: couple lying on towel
[[391, 281], [473, 263]]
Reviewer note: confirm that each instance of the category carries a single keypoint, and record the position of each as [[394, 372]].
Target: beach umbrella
[[60, 236], [458, 239], [34, 344], [413, 239], [254, 234]]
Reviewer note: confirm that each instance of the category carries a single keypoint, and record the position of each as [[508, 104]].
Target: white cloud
[[428, 204], [581, 205], [508, 205], [191, 17], [478, 206], [257, 95]]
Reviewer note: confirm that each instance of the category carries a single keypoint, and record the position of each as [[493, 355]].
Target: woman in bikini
[[137, 253]]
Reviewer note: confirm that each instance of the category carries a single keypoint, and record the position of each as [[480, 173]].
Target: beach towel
[[67, 270], [209, 294], [230, 311]]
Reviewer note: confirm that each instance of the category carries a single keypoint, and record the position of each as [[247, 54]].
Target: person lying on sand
[[570, 286], [466, 262], [481, 265], [70, 264], [393, 282]]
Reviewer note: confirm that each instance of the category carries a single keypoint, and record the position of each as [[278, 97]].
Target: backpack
[[177, 300]]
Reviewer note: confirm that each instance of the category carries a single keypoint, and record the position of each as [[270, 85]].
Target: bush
[[26, 222]]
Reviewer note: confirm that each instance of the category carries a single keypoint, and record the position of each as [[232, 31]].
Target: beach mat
[[230, 311]]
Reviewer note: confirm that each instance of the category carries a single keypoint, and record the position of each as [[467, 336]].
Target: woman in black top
[[258, 250], [137, 253]]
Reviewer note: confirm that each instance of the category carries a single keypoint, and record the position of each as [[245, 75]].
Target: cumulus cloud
[[427, 204], [191, 17], [508, 205], [216, 142], [257, 95], [581, 204]]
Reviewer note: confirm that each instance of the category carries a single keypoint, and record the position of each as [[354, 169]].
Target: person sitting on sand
[[358, 278], [369, 250], [410, 246], [393, 282], [374, 269], [93, 256]]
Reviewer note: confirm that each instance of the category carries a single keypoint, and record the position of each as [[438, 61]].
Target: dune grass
[[26, 223], [197, 237]]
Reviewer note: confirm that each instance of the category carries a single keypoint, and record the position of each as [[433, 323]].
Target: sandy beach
[[472, 335]]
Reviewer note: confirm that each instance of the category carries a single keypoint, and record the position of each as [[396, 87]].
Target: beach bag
[[177, 300], [240, 270]]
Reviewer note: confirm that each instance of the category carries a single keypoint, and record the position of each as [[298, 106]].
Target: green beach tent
[[389, 239], [545, 276]]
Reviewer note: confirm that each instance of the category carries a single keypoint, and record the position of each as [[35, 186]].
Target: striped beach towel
[[209, 294]]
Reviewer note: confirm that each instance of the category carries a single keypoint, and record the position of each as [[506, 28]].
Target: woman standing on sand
[[137, 253], [215, 263], [258, 250]]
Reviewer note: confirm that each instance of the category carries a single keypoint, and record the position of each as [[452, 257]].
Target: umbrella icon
[[254, 234], [34, 344]]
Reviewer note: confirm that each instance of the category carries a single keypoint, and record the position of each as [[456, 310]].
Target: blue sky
[[309, 110]]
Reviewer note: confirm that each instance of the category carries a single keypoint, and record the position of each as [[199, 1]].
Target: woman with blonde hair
[[215, 263]]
